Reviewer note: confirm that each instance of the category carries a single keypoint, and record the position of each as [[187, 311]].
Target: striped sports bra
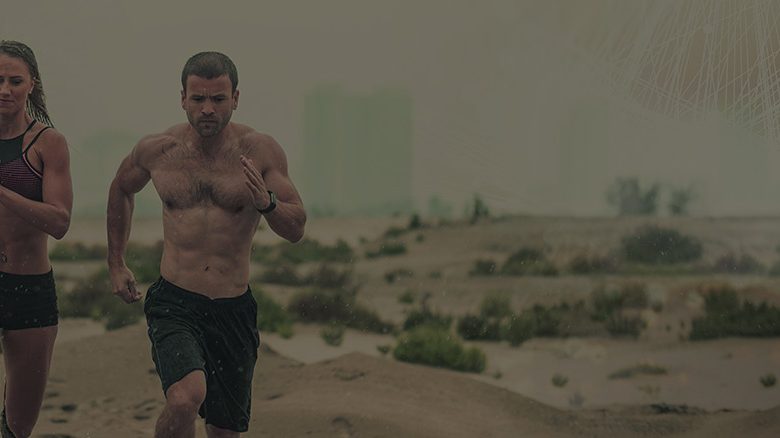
[[16, 171]]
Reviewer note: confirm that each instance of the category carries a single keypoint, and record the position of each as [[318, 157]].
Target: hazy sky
[[504, 103]]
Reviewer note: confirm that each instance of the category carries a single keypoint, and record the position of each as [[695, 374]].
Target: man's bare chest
[[190, 184]]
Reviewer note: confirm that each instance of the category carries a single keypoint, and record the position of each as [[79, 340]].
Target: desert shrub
[[483, 267], [419, 238], [72, 251], [394, 232], [388, 248], [744, 264], [620, 326], [725, 315], [336, 305], [284, 274], [495, 306], [643, 369], [437, 347], [768, 380], [415, 223], [425, 317], [92, 298], [384, 349], [559, 381], [546, 320], [271, 316], [144, 260], [476, 327], [519, 329], [396, 274], [583, 264], [659, 246], [606, 304], [630, 198], [329, 277], [332, 334], [407, 297], [538, 321], [261, 253], [528, 261], [304, 251]]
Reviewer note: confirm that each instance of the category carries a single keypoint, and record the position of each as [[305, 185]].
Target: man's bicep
[[131, 176], [282, 186]]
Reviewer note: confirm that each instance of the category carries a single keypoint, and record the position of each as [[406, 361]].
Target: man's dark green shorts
[[190, 331]]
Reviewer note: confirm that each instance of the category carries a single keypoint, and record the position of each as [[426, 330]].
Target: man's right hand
[[123, 284]]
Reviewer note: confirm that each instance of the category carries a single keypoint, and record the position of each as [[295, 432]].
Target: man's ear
[[235, 99]]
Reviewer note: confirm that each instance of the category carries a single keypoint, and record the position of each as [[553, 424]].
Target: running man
[[215, 179]]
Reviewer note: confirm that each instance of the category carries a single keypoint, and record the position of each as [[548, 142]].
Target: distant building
[[357, 152]]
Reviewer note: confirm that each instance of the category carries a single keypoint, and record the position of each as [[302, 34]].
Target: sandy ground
[[304, 387]]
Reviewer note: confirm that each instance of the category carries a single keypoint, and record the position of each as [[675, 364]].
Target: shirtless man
[[216, 179]]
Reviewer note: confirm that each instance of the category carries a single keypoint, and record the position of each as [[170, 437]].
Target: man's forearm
[[118, 221], [287, 220]]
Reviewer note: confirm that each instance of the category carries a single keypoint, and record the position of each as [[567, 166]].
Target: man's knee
[[185, 396]]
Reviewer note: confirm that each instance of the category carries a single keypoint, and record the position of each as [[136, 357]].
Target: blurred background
[[536, 106]]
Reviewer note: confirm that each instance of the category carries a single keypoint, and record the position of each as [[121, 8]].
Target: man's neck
[[13, 124], [210, 145]]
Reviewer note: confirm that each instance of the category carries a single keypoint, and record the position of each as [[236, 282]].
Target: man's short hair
[[209, 65]]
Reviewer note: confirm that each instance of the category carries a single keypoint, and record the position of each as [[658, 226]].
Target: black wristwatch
[[271, 206]]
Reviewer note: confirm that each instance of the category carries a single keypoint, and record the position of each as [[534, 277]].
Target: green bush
[[389, 248], [475, 327], [483, 267], [425, 317], [643, 369], [768, 380], [144, 261], [436, 347], [304, 251], [520, 328], [284, 274], [271, 316], [744, 264], [606, 304], [72, 251], [407, 297], [495, 306], [327, 276], [528, 261], [654, 245], [621, 326], [584, 265], [339, 306], [92, 298], [725, 315], [396, 274], [333, 334], [394, 232]]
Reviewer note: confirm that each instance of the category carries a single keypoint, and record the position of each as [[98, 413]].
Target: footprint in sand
[[344, 427]]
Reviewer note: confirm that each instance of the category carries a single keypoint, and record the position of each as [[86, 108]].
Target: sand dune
[[104, 386]]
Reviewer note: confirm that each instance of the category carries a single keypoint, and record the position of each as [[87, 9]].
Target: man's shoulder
[[161, 140], [152, 145], [254, 141]]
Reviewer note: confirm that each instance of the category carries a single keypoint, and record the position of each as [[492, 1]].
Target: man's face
[[209, 103], [15, 85]]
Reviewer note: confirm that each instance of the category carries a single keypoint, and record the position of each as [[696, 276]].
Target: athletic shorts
[[190, 331], [27, 301]]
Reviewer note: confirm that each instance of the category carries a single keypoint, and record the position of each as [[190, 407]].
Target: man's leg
[[27, 354], [215, 432], [183, 399]]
